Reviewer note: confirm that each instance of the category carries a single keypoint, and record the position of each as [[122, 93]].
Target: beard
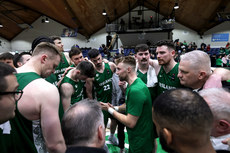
[[98, 65], [164, 144]]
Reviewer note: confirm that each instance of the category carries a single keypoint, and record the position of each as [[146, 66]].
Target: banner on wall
[[68, 32], [220, 37]]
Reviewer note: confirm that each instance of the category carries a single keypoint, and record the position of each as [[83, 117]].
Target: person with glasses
[[8, 92], [36, 126], [8, 95]]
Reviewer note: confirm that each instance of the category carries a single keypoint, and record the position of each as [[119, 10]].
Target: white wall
[[221, 28], [23, 41], [4, 45], [183, 33]]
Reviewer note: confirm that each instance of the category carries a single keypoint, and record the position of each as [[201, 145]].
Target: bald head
[[218, 100], [198, 60], [194, 69], [83, 115]]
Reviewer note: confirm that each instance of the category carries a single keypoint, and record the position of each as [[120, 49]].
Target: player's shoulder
[[41, 85]]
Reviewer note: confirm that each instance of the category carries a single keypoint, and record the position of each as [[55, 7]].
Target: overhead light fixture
[[104, 12], [176, 6], [1, 25], [47, 20]]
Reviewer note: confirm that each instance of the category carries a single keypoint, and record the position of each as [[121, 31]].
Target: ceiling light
[[104, 12], [1, 25], [176, 6], [47, 20]]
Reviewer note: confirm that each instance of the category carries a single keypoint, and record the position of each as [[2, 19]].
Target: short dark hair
[[79, 127], [74, 51], [18, 58], [5, 70], [53, 38], [86, 69], [183, 110], [93, 53], [6, 55], [141, 47], [168, 43], [40, 39]]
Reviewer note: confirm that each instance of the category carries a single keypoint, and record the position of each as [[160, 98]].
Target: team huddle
[[64, 101]]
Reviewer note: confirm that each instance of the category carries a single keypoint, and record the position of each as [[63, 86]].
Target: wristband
[[116, 108], [111, 110]]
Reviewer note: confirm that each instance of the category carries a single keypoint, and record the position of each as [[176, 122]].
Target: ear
[[129, 69], [43, 58], [223, 125], [19, 64], [202, 75], [168, 136], [101, 135], [78, 71], [173, 52]]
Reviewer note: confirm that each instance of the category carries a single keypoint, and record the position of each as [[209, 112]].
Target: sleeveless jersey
[[54, 78], [78, 89], [26, 134], [167, 81], [103, 84], [143, 77]]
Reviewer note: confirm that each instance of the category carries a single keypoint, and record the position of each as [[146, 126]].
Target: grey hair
[[81, 121], [218, 100], [198, 60]]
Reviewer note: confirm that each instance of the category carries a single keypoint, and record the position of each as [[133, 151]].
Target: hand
[[66, 70], [226, 141], [110, 105], [104, 106]]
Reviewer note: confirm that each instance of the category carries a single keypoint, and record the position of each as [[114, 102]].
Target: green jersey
[[219, 62], [167, 81], [139, 103], [78, 89], [54, 78], [103, 88], [103, 84], [26, 134], [143, 77]]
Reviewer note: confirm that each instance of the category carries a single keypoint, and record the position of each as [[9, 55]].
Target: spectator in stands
[[83, 128], [218, 101], [203, 46], [227, 45], [122, 25], [183, 120], [21, 59], [185, 43], [194, 46], [189, 48], [219, 62], [7, 58], [224, 59], [208, 48]]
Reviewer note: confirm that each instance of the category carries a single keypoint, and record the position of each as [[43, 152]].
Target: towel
[[151, 76]]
